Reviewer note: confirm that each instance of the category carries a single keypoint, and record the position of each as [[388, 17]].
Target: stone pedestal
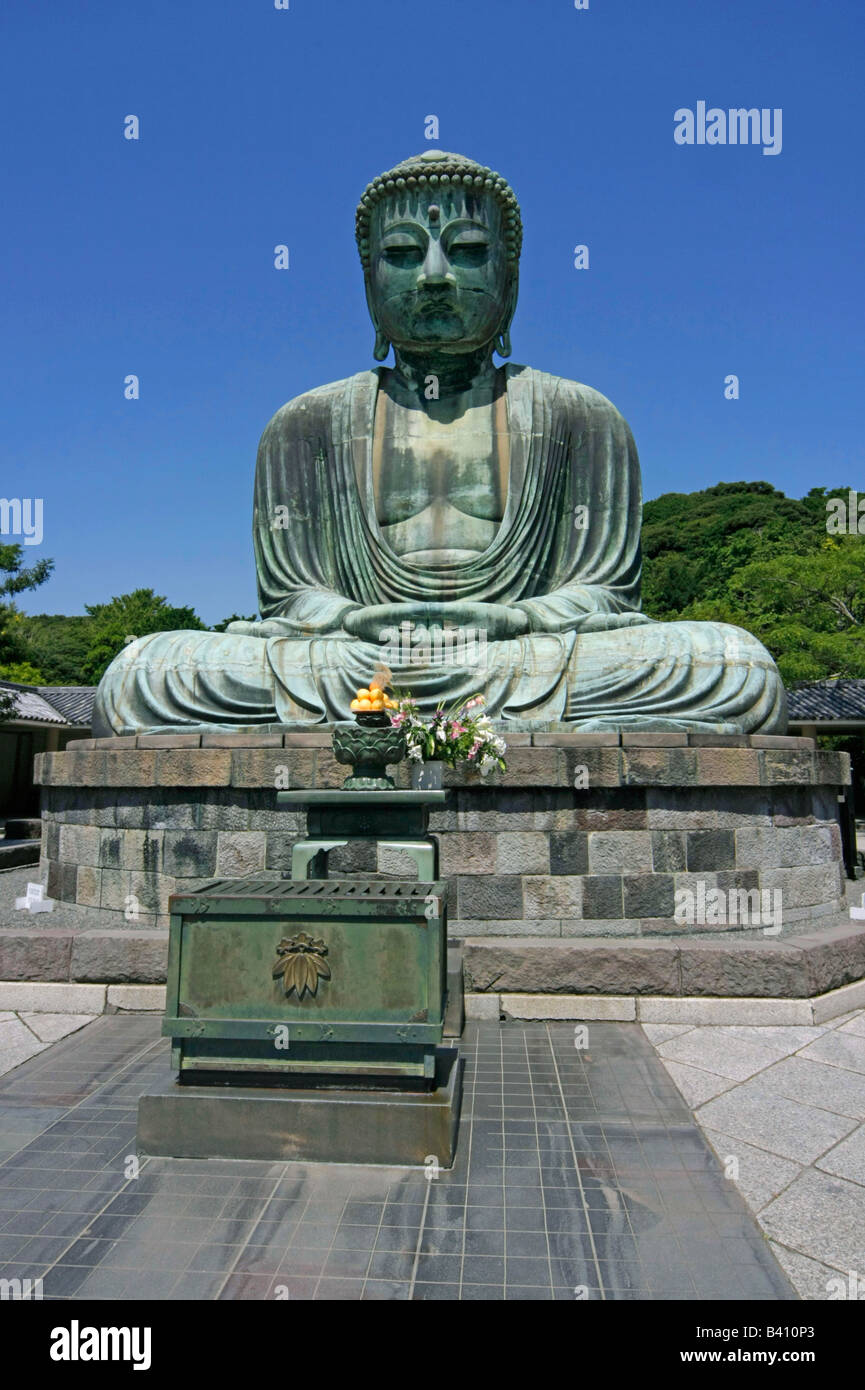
[[281, 1125], [585, 835]]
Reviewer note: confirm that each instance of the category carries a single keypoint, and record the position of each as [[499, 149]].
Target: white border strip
[[70, 998], [656, 1008]]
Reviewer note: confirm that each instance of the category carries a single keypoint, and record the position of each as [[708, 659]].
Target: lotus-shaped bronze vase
[[369, 744]]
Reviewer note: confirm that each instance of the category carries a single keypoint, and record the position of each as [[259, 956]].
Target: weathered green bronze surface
[[328, 978], [322, 796], [368, 744], [474, 526], [383, 815], [312, 854]]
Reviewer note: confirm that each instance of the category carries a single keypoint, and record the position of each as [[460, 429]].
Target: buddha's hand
[[495, 621]]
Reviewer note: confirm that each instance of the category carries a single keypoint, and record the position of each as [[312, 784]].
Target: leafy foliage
[[126, 617], [15, 579], [22, 673], [65, 650], [746, 554], [57, 646]]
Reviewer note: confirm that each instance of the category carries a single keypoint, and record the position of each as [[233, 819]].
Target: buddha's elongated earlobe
[[502, 342], [382, 343]]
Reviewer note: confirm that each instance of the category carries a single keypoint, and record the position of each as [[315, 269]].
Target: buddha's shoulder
[[307, 409], [571, 396]]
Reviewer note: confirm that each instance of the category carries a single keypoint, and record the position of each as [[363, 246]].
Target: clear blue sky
[[261, 127]]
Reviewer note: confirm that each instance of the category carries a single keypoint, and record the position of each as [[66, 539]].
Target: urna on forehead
[[431, 206], [453, 179]]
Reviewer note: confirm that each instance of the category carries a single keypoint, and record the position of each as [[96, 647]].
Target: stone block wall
[[584, 835]]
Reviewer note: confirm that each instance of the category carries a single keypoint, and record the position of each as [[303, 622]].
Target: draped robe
[[567, 553]]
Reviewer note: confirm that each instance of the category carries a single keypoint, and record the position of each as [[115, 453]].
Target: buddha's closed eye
[[469, 253], [403, 256]]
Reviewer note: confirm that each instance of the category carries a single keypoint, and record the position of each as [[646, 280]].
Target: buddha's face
[[439, 277]]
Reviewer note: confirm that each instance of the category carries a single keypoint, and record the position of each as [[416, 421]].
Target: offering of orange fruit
[[372, 699]]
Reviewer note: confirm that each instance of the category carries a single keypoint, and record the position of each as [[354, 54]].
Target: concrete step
[[45, 953], [16, 853], [24, 828], [825, 956]]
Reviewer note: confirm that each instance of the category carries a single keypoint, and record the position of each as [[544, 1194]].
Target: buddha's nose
[[436, 268]]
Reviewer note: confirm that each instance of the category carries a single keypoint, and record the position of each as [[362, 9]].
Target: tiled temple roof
[[819, 701], [52, 704]]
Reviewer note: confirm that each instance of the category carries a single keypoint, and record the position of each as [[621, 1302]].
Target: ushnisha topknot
[[436, 168]]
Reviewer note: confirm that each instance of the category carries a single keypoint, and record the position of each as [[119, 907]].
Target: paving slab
[[759, 1176], [754, 1112], [20, 1123], [813, 1279], [847, 1160], [841, 1019], [839, 1049], [721, 1052], [662, 1032], [697, 1086], [17, 1044], [815, 1083], [777, 1038], [820, 1216], [49, 1027]]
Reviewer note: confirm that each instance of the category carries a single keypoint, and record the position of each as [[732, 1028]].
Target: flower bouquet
[[461, 734]]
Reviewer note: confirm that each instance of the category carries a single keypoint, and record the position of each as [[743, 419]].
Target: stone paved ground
[[22, 1035], [787, 1105], [783, 1108], [580, 1173]]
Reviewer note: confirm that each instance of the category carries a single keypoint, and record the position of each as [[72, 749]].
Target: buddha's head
[[439, 237]]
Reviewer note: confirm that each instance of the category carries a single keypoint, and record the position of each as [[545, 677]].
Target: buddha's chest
[[440, 485]]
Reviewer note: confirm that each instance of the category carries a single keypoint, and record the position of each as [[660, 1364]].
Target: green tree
[[809, 609], [743, 553], [694, 542], [15, 579], [57, 645], [126, 617]]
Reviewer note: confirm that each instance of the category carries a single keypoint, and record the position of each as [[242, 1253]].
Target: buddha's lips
[[446, 304], [438, 311]]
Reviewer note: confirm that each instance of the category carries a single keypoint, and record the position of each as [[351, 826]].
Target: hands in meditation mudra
[[447, 493]]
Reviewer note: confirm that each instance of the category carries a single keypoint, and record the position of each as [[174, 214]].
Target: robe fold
[[567, 552]]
